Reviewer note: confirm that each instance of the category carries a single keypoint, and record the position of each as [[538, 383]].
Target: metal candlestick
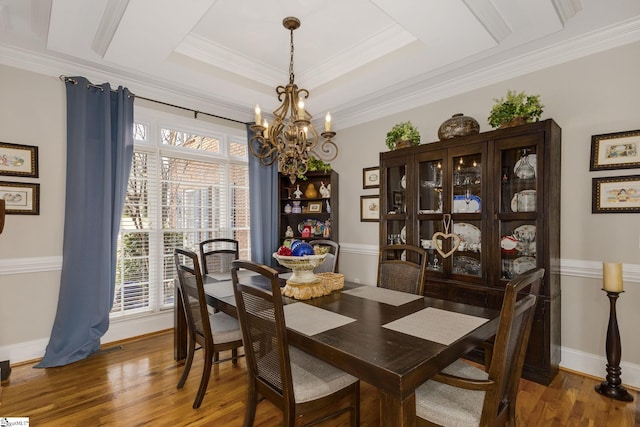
[[613, 387]]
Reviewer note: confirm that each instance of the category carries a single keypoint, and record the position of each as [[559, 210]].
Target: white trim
[[30, 265], [591, 364]]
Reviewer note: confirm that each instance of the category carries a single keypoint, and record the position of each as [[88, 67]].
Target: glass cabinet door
[[431, 170], [394, 203], [518, 207], [466, 206]]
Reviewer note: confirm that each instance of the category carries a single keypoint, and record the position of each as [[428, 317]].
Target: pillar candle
[[612, 276], [301, 115], [327, 122], [258, 115]]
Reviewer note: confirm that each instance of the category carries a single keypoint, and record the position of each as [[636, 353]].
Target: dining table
[[392, 340]]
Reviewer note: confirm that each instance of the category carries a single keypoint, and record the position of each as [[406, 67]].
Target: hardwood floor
[[136, 385]]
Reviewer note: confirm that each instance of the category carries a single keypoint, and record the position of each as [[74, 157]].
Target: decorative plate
[[529, 201], [470, 234], [316, 226], [403, 181], [403, 234], [460, 205], [533, 161], [524, 263], [525, 233]]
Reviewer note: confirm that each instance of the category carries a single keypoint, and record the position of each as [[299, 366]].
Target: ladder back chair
[[330, 263], [216, 255], [212, 332], [465, 395], [296, 382], [405, 275]]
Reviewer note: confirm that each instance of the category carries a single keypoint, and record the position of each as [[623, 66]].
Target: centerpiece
[[301, 259]]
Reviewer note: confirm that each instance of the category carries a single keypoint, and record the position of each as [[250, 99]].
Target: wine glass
[[467, 197]]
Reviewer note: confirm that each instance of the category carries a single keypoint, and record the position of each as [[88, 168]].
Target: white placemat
[[383, 295], [311, 320], [219, 289], [227, 276], [436, 325]]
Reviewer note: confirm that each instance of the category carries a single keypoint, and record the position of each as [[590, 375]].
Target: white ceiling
[[360, 59]]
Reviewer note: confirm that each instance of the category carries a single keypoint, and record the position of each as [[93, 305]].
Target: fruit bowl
[[302, 266]]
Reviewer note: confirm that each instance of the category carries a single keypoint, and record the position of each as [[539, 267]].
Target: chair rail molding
[[30, 265]]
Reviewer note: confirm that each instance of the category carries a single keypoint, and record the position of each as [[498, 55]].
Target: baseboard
[[118, 331], [595, 366]]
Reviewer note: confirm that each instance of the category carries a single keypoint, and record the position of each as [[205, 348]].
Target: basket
[[332, 281]]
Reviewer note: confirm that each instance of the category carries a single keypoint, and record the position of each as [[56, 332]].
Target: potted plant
[[401, 135], [315, 165], [515, 109]]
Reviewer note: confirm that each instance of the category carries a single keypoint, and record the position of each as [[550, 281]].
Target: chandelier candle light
[[291, 138], [612, 387]]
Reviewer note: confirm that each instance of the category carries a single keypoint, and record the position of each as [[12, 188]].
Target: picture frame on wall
[[617, 194], [18, 160], [619, 150], [20, 198], [371, 177], [369, 208]]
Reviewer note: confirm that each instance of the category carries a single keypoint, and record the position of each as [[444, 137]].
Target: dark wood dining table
[[394, 362]]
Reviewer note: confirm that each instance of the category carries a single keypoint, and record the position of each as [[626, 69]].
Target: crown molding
[[428, 88]]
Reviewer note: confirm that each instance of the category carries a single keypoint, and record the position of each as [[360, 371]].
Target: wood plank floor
[[136, 386]]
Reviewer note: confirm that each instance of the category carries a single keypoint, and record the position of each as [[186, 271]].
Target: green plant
[[404, 131], [515, 105], [315, 165]]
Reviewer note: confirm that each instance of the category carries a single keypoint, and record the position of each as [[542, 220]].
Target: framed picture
[[371, 177], [369, 208], [315, 207], [618, 194], [18, 160], [20, 198], [619, 150]]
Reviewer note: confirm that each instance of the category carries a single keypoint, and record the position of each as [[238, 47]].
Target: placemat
[[227, 276], [311, 320], [219, 289], [383, 295], [436, 325]]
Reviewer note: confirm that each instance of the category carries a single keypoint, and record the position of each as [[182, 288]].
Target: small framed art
[[369, 208], [315, 207], [371, 177], [20, 198], [617, 194], [620, 150], [18, 160]]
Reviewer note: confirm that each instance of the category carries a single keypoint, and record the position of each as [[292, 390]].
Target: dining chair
[[216, 255], [330, 263], [212, 332], [402, 268], [465, 395], [294, 381]]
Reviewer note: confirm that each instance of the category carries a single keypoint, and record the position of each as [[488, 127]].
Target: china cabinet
[[492, 200], [309, 207]]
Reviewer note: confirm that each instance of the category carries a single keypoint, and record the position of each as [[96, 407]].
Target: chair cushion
[[224, 328], [313, 378], [451, 406]]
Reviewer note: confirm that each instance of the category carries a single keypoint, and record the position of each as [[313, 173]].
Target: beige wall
[[596, 94], [32, 112], [592, 95]]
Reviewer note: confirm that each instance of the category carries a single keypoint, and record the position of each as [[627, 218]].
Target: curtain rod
[[195, 112]]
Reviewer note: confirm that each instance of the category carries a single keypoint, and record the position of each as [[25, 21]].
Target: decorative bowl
[[302, 266]]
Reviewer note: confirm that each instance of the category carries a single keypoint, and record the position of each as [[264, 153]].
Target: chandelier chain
[[291, 74]]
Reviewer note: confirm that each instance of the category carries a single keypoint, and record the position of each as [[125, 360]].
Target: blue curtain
[[99, 156], [263, 197]]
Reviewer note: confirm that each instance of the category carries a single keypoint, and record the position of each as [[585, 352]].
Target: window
[[189, 182]]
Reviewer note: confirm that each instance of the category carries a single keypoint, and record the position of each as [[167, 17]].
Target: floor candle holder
[[613, 387]]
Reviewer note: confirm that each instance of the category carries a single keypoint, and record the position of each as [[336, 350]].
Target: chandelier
[[291, 138]]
